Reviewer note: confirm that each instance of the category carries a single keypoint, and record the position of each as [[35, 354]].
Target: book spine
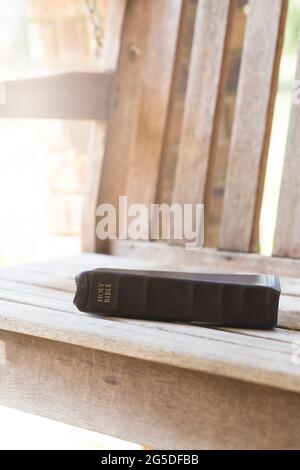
[[176, 299]]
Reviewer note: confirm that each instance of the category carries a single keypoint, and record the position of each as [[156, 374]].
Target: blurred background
[[42, 162]]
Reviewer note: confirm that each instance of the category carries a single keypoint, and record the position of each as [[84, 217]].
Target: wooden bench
[[157, 384]]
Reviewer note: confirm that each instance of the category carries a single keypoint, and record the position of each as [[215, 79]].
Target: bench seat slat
[[167, 407], [28, 294], [260, 357], [65, 305], [60, 273], [205, 260], [230, 359]]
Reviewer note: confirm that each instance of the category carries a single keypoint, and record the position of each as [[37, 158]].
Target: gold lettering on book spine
[[104, 292]]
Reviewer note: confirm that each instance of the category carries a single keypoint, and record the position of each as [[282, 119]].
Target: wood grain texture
[[203, 98], [251, 359], [76, 95], [23, 288], [204, 260], [156, 405], [139, 103], [155, 90], [287, 240], [29, 292], [27, 307], [67, 268], [280, 339], [112, 36], [91, 185], [252, 125], [176, 104], [108, 61]]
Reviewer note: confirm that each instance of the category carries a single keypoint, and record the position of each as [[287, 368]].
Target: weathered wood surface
[[204, 94], [287, 239], [252, 125], [91, 182], [139, 102], [168, 161], [153, 404], [204, 260], [154, 94], [36, 300], [74, 95], [109, 60], [60, 273], [112, 36]]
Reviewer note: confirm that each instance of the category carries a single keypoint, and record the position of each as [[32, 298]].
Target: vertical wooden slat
[[111, 40], [156, 84], [287, 236], [91, 185], [205, 89], [109, 60], [252, 125], [176, 104], [140, 102]]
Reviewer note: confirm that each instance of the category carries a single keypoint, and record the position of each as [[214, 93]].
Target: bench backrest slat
[[140, 102], [143, 116], [252, 124], [287, 236], [205, 88]]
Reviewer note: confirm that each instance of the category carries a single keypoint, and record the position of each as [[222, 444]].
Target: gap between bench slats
[[57, 300], [63, 301], [64, 270], [37, 298]]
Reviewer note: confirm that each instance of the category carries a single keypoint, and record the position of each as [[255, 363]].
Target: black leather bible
[[247, 301]]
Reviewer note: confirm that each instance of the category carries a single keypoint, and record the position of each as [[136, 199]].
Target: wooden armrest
[[76, 95]]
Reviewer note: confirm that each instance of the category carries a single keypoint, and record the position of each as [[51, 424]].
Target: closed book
[[249, 301]]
